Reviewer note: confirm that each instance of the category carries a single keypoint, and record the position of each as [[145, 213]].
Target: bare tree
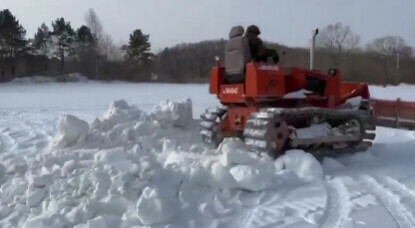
[[338, 38], [108, 49], [95, 24], [387, 48]]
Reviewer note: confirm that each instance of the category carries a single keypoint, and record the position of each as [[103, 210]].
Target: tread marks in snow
[[391, 194], [338, 205]]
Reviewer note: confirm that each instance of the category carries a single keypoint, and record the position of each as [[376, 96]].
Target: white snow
[[69, 160], [173, 113], [297, 94], [71, 130], [72, 77], [303, 164], [156, 206], [314, 131]]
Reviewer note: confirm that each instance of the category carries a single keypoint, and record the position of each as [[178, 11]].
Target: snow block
[[35, 197], [303, 164], [71, 130], [223, 178], [156, 206], [234, 151], [250, 177], [178, 114], [116, 158]]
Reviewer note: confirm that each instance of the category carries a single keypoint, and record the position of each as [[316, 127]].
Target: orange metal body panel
[[216, 79], [264, 80], [396, 114]]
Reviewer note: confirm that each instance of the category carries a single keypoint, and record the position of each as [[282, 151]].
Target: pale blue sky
[[174, 21]]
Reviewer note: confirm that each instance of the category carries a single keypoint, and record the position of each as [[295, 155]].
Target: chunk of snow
[[179, 159], [303, 164], [35, 196], [172, 113], [71, 130], [156, 206], [68, 167], [234, 151], [222, 176], [114, 157], [250, 177], [39, 181], [118, 113]]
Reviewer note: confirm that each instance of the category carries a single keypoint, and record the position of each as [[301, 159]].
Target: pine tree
[[65, 39], [85, 37], [138, 48], [12, 36], [42, 40]]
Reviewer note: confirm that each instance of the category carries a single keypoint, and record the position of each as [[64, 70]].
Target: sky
[[170, 22]]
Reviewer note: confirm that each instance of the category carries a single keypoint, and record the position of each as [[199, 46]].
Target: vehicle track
[[276, 211], [338, 205], [391, 193]]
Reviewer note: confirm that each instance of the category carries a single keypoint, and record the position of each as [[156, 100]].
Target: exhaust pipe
[[313, 46]]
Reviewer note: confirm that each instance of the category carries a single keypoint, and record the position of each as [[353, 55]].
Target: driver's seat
[[237, 55]]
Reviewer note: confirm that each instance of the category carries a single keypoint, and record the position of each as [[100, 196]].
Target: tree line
[[384, 60], [87, 45]]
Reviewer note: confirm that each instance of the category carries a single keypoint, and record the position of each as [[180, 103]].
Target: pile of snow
[[132, 169], [126, 126], [72, 77]]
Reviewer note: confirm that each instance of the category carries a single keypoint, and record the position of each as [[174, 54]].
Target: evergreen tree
[[12, 36], [65, 39], [85, 37], [138, 48], [42, 40]]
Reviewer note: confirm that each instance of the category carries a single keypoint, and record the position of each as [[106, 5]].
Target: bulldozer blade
[[394, 114]]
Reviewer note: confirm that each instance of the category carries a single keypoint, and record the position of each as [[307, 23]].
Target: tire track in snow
[[384, 191], [276, 211], [21, 134], [338, 205]]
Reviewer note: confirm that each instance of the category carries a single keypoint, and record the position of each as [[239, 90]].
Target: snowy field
[[75, 155]]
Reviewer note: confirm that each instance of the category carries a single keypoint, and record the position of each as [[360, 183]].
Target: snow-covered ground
[[114, 155]]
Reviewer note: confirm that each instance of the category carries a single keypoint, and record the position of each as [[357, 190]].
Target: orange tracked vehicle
[[275, 108]]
